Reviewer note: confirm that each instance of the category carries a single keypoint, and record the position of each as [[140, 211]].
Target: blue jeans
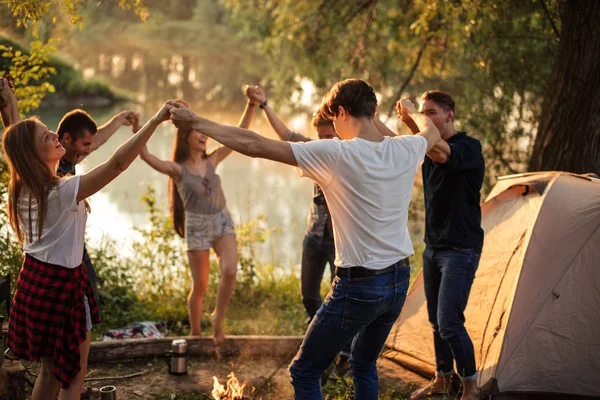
[[448, 274], [317, 252], [357, 310]]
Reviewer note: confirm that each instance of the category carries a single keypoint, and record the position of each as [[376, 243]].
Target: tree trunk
[[262, 346], [568, 137]]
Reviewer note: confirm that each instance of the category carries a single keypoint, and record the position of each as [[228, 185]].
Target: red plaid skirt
[[47, 318]]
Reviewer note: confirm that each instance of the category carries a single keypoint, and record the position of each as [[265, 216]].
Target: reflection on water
[[253, 187]]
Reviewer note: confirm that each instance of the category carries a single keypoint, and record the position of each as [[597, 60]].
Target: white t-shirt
[[368, 187], [62, 237]]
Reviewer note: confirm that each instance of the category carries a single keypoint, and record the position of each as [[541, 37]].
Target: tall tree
[[568, 137], [493, 57]]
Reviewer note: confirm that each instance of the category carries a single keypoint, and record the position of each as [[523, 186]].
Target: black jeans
[[91, 273], [448, 276], [316, 253]]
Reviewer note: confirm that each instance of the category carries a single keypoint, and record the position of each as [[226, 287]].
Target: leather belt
[[361, 272]]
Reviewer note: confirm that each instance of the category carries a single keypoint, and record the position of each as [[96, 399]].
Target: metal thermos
[[179, 355], [108, 393]]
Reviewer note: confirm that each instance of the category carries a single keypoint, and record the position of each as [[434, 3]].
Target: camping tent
[[534, 308]]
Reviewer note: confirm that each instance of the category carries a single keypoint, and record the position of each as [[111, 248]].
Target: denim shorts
[[201, 230]]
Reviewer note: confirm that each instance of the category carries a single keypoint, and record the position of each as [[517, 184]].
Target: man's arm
[[381, 127], [425, 126], [238, 139], [222, 152], [107, 130], [91, 182], [440, 153]]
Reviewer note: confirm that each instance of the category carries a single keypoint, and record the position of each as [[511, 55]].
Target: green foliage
[[29, 70], [214, 60], [37, 72], [153, 283], [29, 13], [493, 57], [11, 252]]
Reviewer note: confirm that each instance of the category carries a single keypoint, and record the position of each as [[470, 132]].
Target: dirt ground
[[158, 383], [155, 382]]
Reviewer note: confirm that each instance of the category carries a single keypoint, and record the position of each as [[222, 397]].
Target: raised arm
[[238, 139], [219, 154], [440, 153], [9, 107], [381, 127], [425, 127], [166, 167], [258, 95], [103, 174], [104, 133]]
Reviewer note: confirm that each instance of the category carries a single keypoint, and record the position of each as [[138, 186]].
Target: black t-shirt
[[64, 168], [452, 196]]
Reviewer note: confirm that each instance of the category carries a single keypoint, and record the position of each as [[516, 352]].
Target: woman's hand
[[163, 114], [6, 93], [259, 95], [134, 119]]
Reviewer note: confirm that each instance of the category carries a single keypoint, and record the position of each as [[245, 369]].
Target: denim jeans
[[316, 253], [448, 274], [357, 310], [91, 273]]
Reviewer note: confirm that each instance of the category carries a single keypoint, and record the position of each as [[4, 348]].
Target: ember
[[232, 391]]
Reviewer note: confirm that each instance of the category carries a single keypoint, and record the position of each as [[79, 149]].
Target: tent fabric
[[534, 308]]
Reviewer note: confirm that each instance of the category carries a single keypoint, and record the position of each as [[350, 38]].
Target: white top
[[368, 187], [64, 227]]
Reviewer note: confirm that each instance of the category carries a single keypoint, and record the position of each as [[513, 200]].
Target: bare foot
[[439, 385], [218, 333]]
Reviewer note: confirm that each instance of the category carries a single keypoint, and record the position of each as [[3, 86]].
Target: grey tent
[[534, 309]]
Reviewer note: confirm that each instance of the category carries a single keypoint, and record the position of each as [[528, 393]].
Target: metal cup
[[108, 393]]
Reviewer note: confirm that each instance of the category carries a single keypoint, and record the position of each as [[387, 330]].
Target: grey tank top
[[201, 195]]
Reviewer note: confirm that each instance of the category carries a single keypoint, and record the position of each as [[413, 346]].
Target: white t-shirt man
[[368, 187], [62, 237]]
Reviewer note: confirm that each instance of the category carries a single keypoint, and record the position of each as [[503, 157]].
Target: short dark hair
[[355, 95], [318, 120], [76, 122], [440, 98]]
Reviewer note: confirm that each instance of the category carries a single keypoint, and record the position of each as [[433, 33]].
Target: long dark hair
[[181, 152], [28, 171]]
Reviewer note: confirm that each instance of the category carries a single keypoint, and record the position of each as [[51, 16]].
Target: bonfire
[[232, 390]]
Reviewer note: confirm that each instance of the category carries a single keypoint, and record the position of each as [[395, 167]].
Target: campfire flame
[[232, 391]]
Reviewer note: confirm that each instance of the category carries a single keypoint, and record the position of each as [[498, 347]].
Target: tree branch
[[360, 45], [498, 155], [352, 14], [550, 19], [112, 378], [410, 75]]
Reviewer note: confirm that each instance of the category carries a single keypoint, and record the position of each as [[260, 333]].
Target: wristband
[[263, 104]]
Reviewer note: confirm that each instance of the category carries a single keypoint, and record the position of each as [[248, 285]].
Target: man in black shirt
[[452, 178]]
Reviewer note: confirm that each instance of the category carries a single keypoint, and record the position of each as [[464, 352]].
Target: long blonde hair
[[29, 171]]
